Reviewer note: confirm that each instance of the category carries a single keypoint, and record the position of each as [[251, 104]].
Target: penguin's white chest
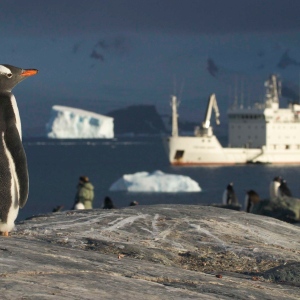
[[17, 114], [14, 192]]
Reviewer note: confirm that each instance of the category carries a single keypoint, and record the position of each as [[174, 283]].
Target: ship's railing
[[248, 116]]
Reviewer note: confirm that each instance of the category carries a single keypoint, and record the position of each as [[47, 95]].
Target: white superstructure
[[263, 133]]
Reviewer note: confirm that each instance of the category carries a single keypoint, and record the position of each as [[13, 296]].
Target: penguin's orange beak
[[29, 72]]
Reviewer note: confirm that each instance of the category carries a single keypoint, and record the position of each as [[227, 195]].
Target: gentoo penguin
[[229, 196], [251, 198], [58, 208], [274, 185], [283, 189], [14, 184], [108, 203]]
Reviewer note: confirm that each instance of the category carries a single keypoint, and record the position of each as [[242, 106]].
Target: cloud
[[96, 55], [212, 67], [115, 45], [77, 17], [76, 47], [286, 60]]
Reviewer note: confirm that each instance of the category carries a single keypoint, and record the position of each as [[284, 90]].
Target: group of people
[[278, 188], [85, 196]]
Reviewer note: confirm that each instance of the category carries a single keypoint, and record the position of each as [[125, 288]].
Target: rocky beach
[[151, 252]]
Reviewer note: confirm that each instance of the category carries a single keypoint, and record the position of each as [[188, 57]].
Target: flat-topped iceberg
[[68, 122], [155, 182]]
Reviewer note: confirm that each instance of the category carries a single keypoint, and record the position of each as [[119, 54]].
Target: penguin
[[108, 203], [274, 185], [283, 189], [58, 208], [251, 198], [14, 181], [229, 196]]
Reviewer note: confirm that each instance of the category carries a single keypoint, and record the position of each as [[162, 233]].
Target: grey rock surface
[[149, 252]]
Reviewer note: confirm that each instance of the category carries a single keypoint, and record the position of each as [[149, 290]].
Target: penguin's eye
[[9, 75]]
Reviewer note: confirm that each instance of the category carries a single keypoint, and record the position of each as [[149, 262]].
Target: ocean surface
[[55, 166]]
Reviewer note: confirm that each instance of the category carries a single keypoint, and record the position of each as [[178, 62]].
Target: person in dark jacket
[[85, 193]]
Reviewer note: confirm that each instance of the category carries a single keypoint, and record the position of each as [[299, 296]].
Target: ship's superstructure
[[263, 133]]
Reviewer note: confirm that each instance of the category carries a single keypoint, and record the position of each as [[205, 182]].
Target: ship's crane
[[206, 129]]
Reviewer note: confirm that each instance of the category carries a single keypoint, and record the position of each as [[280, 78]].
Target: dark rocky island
[[151, 252], [137, 120]]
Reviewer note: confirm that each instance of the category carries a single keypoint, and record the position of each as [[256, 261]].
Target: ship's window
[[179, 154], [287, 146]]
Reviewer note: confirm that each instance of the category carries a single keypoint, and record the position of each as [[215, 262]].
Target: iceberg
[[155, 182], [68, 122]]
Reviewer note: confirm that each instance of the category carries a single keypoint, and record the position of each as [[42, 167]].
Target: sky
[[109, 54]]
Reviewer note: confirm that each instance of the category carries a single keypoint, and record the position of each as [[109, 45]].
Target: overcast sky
[[107, 54], [73, 17]]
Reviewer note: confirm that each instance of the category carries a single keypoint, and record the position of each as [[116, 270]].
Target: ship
[[263, 133]]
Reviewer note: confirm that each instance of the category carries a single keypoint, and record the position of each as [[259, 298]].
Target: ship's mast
[[174, 105], [273, 90]]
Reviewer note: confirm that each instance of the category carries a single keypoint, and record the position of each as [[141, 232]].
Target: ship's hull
[[185, 150]]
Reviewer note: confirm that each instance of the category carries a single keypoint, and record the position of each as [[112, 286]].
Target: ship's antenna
[[248, 95], [299, 89], [181, 91], [235, 91], [174, 85], [242, 93], [178, 97], [229, 95]]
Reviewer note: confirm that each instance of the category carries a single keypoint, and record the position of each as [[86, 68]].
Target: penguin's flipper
[[15, 147]]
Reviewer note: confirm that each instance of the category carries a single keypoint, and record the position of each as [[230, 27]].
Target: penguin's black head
[[10, 76]]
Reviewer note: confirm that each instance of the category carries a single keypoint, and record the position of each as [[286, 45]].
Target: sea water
[[55, 166]]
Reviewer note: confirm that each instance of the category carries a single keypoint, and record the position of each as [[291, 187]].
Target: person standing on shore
[[85, 193]]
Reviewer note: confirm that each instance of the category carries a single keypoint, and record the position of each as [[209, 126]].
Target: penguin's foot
[[4, 233]]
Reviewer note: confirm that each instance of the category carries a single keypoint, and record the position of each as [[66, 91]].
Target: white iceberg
[[155, 182], [68, 122]]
